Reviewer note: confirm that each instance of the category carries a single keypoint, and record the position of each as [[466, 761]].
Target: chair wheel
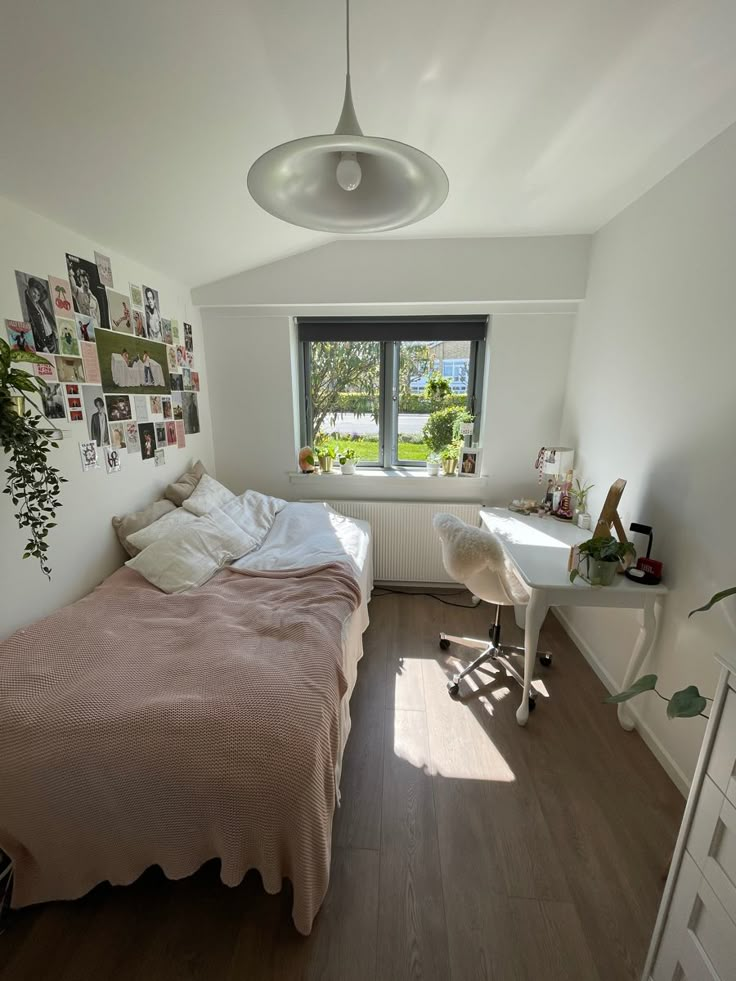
[[444, 643], [453, 688], [532, 703], [546, 660]]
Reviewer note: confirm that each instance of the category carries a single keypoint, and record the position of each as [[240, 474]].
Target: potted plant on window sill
[[449, 457], [599, 559], [32, 484], [348, 460], [433, 464], [326, 454]]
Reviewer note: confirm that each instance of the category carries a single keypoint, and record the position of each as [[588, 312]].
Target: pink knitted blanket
[[141, 729]]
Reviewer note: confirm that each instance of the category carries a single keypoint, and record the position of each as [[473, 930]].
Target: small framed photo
[[469, 461]]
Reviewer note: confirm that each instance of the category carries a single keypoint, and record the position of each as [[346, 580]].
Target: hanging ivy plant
[[32, 484]]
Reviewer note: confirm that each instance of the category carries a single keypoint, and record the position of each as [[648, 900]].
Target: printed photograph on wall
[[166, 407], [140, 403], [187, 379], [113, 459], [88, 293], [176, 405], [120, 314], [171, 434], [175, 336], [166, 330], [181, 357], [20, 336], [75, 415], [177, 382], [118, 407], [136, 295], [88, 454], [35, 304], [52, 398], [90, 362], [68, 340], [117, 435], [195, 381], [147, 437], [160, 433], [132, 364], [96, 413], [160, 458], [85, 328], [104, 269], [132, 441], [181, 440], [171, 355], [188, 341], [139, 324], [155, 402], [61, 298], [153, 314], [190, 412], [70, 369]]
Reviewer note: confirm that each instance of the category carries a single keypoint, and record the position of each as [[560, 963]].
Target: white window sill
[[379, 473]]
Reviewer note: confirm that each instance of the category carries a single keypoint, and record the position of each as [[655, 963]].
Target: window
[[364, 381]]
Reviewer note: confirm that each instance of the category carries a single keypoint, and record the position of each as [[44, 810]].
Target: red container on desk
[[651, 566]]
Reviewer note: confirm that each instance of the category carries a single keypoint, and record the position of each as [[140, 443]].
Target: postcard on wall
[[121, 318], [88, 293], [181, 440], [147, 436], [61, 298], [96, 413], [131, 437], [86, 327], [47, 370], [140, 404], [166, 407], [191, 413], [188, 340], [177, 381], [175, 335], [20, 336], [187, 379], [113, 459], [171, 355], [118, 407], [181, 356], [52, 399], [195, 381], [139, 323], [73, 402], [104, 269], [70, 369], [117, 435], [136, 295], [166, 330], [160, 433], [88, 453], [160, 458], [90, 362], [35, 304], [171, 433], [155, 403], [75, 415], [68, 340], [176, 405], [152, 310], [132, 364]]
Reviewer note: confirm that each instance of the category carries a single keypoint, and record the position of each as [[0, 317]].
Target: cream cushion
[[171, 522], [208, 494], [131, 523], [189, 557], [180, 490]]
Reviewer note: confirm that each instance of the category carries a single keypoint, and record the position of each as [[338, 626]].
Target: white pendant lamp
[[347, 182]]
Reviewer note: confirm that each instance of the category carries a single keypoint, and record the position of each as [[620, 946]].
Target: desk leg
[[535, 614], [644, 643]]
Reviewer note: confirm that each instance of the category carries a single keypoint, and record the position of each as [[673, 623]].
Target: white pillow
[[173, 521], [190, 557], [208, 494], [254, 512]]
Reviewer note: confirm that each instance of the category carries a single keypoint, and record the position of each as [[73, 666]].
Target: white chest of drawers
[[695, 934]]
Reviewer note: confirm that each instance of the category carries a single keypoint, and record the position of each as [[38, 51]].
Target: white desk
[[538, 549]]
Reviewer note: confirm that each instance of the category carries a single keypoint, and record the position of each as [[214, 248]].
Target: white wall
[[83, 548], [651, 397], [252, 364]]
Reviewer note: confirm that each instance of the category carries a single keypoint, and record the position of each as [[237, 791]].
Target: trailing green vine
[[32, 484]]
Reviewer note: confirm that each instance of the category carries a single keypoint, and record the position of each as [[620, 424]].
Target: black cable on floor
[[385, 591]]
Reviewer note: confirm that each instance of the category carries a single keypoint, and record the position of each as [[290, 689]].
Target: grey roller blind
[[468, 328]]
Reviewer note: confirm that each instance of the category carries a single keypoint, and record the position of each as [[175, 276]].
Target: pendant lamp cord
[[347, 32]]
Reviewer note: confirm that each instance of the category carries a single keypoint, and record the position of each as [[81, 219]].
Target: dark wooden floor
[[465, 847]]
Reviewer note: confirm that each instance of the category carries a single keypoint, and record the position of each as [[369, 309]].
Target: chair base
[[490, 651]]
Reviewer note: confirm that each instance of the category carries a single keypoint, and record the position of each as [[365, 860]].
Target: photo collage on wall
[[113, 363]]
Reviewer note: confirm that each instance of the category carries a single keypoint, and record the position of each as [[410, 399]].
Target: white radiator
[[405, 545]]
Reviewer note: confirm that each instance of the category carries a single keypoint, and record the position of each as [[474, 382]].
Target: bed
[[139, 728]]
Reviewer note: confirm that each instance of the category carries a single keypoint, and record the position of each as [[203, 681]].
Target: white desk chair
[[475, 558]]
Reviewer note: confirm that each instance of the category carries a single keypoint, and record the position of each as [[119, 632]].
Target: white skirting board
[[671, 768]]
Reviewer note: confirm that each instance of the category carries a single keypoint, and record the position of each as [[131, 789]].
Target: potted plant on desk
[[599, 559]]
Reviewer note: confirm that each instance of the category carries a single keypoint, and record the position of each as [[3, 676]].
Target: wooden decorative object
[[609, 514]]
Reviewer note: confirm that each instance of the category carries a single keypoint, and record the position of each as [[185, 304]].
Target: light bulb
[[348, 172]]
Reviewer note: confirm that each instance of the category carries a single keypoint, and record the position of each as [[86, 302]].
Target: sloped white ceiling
[[135, 122]]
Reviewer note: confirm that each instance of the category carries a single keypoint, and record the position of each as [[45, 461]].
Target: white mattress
[[305, 535]]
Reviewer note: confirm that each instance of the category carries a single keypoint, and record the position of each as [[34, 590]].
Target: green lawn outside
[[367, 450]]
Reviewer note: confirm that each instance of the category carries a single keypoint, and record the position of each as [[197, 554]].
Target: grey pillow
[[182, 488], [131, 523]]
